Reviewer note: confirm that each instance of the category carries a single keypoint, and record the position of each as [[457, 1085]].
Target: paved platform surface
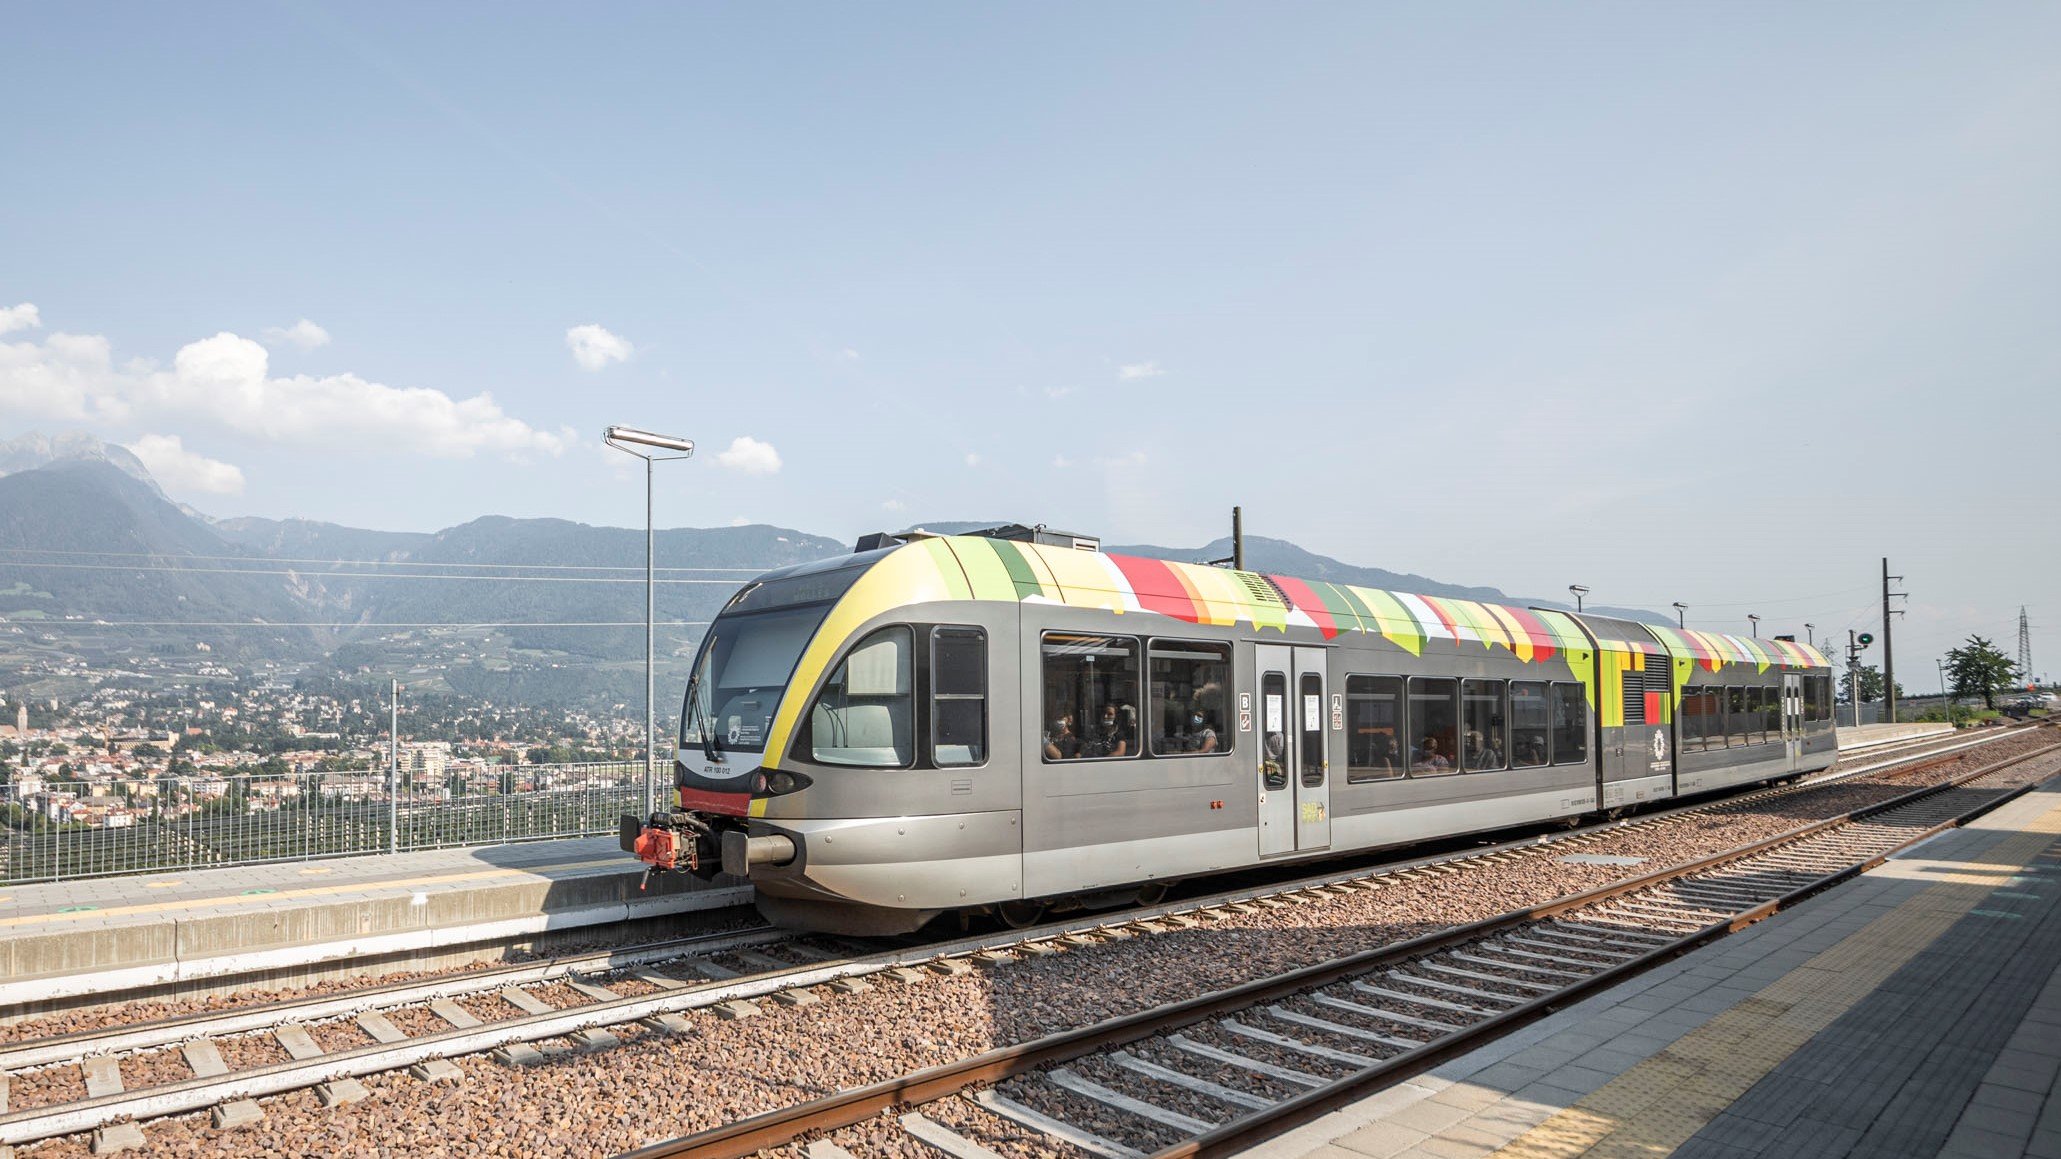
[[173, 926], [1915, 1011], [1874, 734]]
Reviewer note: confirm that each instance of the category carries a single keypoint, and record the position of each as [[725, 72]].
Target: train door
[[1293, 768], [1792, 718]]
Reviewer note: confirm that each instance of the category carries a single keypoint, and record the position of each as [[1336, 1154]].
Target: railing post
[[393, 773]]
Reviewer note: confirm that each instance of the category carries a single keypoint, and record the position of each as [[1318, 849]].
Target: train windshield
[[749, 655]]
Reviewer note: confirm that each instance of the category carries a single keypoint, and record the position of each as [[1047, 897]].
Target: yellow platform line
[[314, 891], [1656, 1106]]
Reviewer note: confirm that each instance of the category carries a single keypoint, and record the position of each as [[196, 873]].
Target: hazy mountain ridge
[[529, 610]]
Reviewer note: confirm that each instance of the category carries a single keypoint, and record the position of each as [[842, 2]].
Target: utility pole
[[1888, 656], [2024, 647], [1853, 675], [1238, 538]]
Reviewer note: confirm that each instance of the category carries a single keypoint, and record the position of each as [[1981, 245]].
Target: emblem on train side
[[1659, 744]]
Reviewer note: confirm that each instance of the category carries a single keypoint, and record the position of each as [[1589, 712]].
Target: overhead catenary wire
[[337, 562], [541, 579], [28, 625]]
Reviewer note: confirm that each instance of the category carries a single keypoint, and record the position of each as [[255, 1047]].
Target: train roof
[[980, 568]]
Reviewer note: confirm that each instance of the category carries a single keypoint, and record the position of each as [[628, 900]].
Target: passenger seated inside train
[[1481, 754], [1110, 738], [1060, 742], [1199, 734], [1429, 758]]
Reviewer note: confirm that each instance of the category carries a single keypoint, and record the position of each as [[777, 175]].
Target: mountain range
[[97, 565]]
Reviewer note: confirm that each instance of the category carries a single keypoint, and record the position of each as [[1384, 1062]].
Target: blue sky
[[1716, 303]]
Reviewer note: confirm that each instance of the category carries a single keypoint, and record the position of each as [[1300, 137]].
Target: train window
[[1434, 724], [1820, 684], [1374, 728], [1091, 696], [1570, 724], [1738, 715], [1703, 718], [958, 697], [1311, 715], [1188, 697], [1274, 731], [1483, 716], [1771, 714], [1530, 717], [863, 715]]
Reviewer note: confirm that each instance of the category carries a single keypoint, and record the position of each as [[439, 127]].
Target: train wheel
[[1019, 915], [1152, 894]]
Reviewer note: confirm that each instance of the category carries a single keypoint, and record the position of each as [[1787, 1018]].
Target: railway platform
[[1915, 1010], [190, 932]]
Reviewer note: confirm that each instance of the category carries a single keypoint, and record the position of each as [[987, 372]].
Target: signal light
[[1867, 638]]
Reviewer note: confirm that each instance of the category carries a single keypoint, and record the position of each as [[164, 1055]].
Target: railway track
[[1220, 1072], [525, 1012]]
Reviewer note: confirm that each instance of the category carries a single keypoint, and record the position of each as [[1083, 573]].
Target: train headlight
[[777, 782]]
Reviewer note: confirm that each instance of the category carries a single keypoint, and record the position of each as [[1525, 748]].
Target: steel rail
[[857, 1105], [163, 1032]]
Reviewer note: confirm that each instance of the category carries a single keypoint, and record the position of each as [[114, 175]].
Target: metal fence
[[58, 830]]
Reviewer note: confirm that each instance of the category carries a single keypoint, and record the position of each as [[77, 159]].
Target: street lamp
[[1579, 591], [1810, 635], [1756, 624], [1682, 615], [627, 440]]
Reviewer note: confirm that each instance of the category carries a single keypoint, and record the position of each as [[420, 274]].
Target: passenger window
[[1738, 716], [1434, 724], [1188, 683], [1310, 708], [1530, 718], [1374, 728], [958, 697], [1481, 704], [1703, 718], [1091, 697], [863, 715], [1771, 714], [1570, 725], [1274, 731]]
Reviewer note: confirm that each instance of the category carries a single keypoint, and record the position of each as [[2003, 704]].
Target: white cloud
[[893, 505], [1135, 370], [22, 317], [304, 334], [972, 459], [227, 380], [593, 347], [181, 470], [750, 456], [1058, 391], [1061, 462], [740, 521], [848, 354]]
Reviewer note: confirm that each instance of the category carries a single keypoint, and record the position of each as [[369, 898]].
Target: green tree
[[1978, 669], [1871, 684]]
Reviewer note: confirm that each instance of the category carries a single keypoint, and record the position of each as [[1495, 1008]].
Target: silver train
[[1014, 721]]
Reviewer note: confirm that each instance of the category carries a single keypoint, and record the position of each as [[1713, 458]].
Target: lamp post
[[627, 440], [1756, 624], [1681, 615], [1946, 702], [1579, 591], [1810, 635]]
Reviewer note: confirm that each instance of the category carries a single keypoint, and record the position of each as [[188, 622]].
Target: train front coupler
[[673, 841]]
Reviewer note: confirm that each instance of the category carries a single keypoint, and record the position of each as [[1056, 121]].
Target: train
[[1012, 723]]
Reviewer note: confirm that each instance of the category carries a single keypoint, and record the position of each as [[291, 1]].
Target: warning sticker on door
[[1275, 710], [1312, 713]]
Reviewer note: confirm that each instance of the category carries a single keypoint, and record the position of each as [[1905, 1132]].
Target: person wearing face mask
[[1109, 738], [1201, 737]]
